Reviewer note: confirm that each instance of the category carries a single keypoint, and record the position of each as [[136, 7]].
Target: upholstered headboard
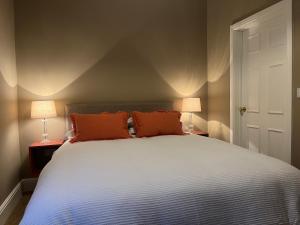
[[114, 107]]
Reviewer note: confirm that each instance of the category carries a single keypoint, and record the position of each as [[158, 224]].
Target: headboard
[[114, 107]]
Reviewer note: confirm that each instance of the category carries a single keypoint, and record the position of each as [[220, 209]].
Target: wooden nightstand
[[200, 133], [41, 153]]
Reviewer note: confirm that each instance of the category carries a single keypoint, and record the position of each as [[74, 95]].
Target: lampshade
[[191, 105], [43, 109]]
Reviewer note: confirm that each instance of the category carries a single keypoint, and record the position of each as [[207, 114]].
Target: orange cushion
[[104, 126], [148, 124]]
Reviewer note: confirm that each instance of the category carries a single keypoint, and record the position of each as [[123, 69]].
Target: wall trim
[[10, 203]]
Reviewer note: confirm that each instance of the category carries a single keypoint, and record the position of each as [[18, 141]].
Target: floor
[[18, 212]]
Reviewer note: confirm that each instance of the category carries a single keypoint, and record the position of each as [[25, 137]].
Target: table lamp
[[191, 105], [43, 110]]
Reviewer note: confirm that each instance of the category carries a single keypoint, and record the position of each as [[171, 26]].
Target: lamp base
[[191, 125], [190, 128], [45, 138]]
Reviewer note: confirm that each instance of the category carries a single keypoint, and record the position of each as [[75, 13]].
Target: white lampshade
[[191, 105], [43, 109]]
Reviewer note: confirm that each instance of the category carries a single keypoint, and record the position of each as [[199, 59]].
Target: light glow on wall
[[219, 64], [218, 58], [218, 130], [183, 83]]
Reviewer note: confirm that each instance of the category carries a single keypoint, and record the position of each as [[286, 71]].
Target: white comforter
[[164, 180]]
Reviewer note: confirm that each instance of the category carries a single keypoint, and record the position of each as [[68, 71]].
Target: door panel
[[251, 80], [254, 138], [253, 87], [276, 144], [254, 43], [275, 93], [266, 89]]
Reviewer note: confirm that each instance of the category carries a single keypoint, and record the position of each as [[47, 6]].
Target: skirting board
[[9, 204]]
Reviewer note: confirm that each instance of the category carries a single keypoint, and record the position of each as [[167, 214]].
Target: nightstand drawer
[[40, 157], [40, 154]]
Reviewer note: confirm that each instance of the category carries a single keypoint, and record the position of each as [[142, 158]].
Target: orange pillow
[[104, 126], [148, 124]]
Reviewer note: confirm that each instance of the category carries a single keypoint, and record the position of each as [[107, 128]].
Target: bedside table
[[200, 133], [41, 153]]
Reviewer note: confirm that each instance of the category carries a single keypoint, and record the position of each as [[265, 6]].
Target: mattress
[[164, 180]]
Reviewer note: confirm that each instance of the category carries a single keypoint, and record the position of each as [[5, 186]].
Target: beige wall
[[220, 15], [9, 137], [98, 50]]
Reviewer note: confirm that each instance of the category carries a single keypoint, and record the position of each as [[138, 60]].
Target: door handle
[[243, 109]]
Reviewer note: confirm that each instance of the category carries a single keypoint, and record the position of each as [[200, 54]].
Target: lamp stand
[[191, 125], [45, 134]]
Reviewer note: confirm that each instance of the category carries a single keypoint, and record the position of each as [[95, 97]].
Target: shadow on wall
[[90, 29], [164, 35], [122, 75]]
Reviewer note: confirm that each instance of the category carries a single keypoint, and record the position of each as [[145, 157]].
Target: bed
[[163, 180]]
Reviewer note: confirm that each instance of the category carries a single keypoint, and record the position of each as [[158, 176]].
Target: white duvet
[[164, 180]]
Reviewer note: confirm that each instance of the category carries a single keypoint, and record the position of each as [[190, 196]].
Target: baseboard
[[28, 185], [10, 203]]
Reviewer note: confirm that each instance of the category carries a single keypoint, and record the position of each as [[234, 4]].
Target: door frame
[[236, 51]]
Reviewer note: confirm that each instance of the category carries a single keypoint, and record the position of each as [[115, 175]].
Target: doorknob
[[243, 109]]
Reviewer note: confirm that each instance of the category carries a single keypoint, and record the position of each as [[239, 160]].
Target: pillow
[[131, 127], [148, 124], [104, 126]]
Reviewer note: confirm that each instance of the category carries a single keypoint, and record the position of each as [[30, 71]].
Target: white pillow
[[131, 127]]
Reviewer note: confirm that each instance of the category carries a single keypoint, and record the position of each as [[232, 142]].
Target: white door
[[266, 86]]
